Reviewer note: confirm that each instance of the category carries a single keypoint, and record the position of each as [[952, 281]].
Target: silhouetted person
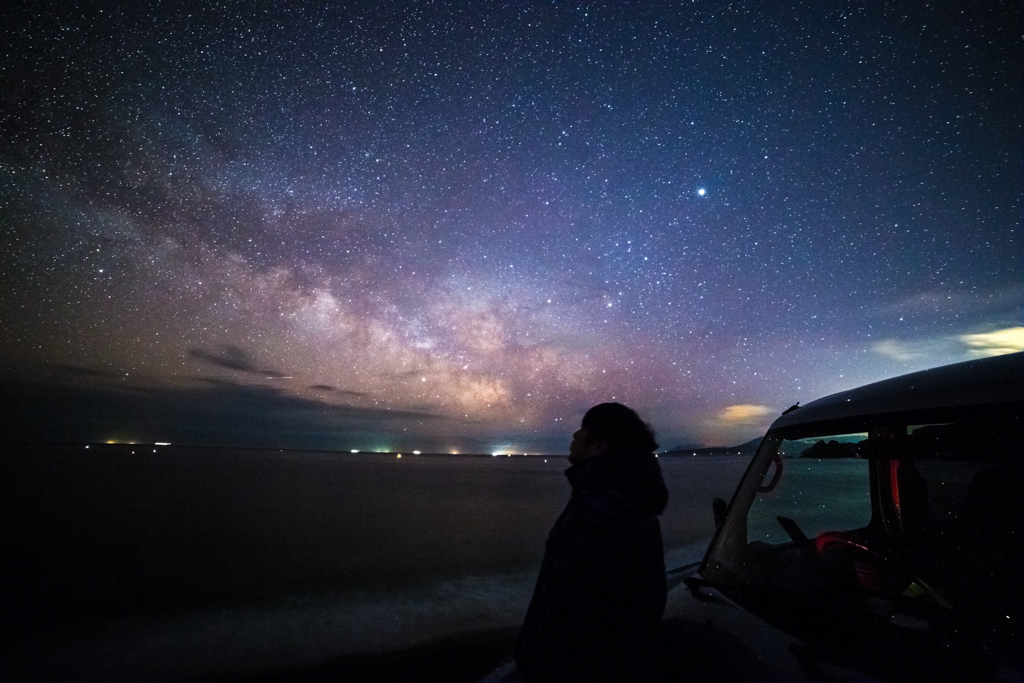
[[600, 595]]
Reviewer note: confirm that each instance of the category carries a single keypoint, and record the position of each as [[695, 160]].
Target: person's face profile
[[583, 449]]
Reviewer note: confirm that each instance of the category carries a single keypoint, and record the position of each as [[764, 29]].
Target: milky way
[[457, 225]]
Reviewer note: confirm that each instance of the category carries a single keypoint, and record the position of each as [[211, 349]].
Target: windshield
[[912, 519], [845, 503]]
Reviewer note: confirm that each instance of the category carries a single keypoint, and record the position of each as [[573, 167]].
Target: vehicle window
[[947, 483], [823, 486], [949, 456]]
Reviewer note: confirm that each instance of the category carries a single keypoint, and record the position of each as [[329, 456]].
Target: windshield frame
[[714, 569]]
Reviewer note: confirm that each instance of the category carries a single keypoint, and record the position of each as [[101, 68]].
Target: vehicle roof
[[985, 381]]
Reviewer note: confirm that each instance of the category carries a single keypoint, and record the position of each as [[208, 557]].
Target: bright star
[[702, 192]]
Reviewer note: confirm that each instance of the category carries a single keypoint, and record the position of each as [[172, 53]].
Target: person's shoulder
[[606, 505]]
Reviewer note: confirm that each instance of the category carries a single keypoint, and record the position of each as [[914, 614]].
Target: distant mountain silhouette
[[831, 449], [748, 448]]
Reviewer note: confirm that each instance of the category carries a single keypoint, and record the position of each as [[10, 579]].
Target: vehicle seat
[[980, 560]]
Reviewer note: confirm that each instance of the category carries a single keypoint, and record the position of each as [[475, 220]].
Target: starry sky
[[454, 226]]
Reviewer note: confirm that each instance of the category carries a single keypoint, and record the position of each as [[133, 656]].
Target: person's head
[[610, 427]]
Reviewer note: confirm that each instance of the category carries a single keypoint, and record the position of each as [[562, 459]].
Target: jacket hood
[[637, 475]]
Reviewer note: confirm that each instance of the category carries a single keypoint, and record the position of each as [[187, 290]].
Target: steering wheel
[[839, 541], [842, 552], [873, 569], [836, 552]]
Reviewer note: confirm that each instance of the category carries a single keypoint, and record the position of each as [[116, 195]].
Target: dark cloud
[[343, 392], [234, 358], [215, 412], [354, 394], [80, 371], [408, 373], [79, 375]]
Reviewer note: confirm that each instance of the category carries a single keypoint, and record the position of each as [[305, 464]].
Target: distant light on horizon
[[354, 450], [415, 452], [161, 443]]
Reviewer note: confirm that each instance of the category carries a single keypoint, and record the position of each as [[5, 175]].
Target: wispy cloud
[[979, 301], [897, 350], [744, 414], [998, 343]]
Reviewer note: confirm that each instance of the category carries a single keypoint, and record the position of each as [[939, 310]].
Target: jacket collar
[[638, 475]]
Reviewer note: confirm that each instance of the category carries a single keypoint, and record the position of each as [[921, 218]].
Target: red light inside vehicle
[[894, 466]]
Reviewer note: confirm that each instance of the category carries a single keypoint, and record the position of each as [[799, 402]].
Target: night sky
[[455, 226]]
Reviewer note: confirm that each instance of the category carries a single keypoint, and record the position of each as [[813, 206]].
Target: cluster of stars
[[473, 222]]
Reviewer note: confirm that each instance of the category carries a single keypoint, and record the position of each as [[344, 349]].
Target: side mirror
[[718, 508]]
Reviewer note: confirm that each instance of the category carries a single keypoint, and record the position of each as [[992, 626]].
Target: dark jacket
[[600, 595]]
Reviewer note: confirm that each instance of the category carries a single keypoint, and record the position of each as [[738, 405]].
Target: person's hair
[[620, 427]]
